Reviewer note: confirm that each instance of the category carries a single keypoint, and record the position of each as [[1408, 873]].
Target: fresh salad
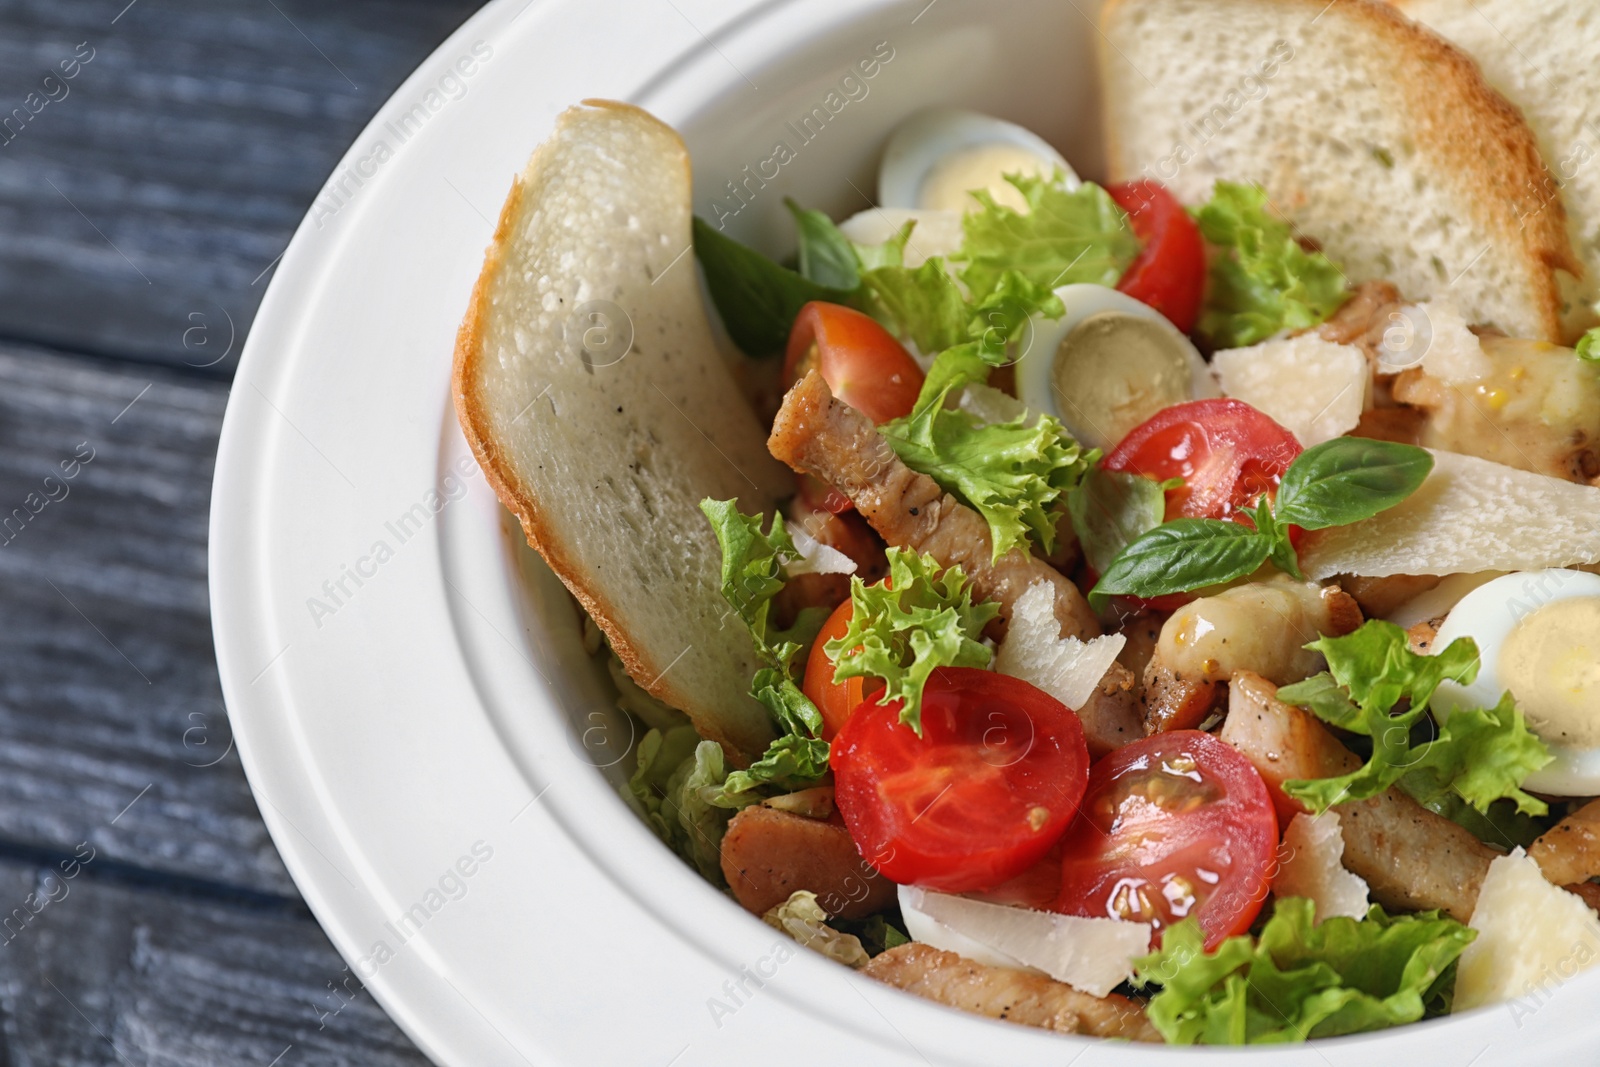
[[1142, 659]]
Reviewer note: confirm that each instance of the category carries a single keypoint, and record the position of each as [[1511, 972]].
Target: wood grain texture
[[109, 691], [143, 200], [144, 203], [111, 974]]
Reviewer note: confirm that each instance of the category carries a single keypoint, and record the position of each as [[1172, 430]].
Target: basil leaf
[[1110, 509], [757, 299], [1348, 479], [826, 256], [1182, 555]]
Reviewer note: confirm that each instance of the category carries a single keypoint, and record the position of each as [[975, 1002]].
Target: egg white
[[1488, 614], [918, 145]]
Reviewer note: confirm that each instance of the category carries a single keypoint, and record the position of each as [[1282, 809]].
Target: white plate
[[407, 686]]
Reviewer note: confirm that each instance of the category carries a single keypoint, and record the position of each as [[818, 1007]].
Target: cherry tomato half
[[993, 782], [1227, 453], [1173, 825], [861, 361], [836, 700], [1170, 272]]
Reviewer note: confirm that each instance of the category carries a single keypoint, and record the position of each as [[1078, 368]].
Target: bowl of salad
[[1052, 550]]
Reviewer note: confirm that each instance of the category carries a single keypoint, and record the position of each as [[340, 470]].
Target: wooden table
[[159, 158]]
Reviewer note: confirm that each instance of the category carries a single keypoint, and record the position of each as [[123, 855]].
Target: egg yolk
[[1551, 664], [984, 166], [1122, 367]]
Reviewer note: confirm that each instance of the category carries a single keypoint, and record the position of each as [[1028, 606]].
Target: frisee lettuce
[[1012, 473], [901, 630], [1480, 756], [1302, 979], [752, 574], [1065, 236], [1262, 281]]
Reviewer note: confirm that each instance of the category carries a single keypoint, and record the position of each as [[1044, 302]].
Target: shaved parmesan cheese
[[815, 557], [1531, 935], [937, 233], [1034, 650], [989, 405], [1313, 867], [1314, 388], [1452, 352], [1470, 515], [1093, 955]]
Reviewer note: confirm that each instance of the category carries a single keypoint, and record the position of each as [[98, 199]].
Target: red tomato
[[862, 363], [991, 784], [836, 700], [1170, 273], [1227, 453], [1172, 825]]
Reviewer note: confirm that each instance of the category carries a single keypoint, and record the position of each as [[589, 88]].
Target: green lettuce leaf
[[1589, 346], [1011, 473], [922, 305], [1481, 755], [1064, 237], [903, 630], [752, 574], [1478, 755], [677, 785], [1111, 509], [1262, 281], [1302, 979]]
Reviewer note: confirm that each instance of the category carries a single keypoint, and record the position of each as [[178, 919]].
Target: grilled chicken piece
[[817, 435], [1570, 851], [1410, 857], [1363, 318], [769, 854], [1261, 627], [1003, 993]]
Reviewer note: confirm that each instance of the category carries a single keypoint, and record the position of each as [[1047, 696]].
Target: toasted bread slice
[[1373, 136], [1544, 56], [591, 389]]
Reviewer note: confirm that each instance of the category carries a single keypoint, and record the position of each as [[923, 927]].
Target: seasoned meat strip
[[1003, 993], [1410, 857], [1570, 851], [818, 435], [768, 854]]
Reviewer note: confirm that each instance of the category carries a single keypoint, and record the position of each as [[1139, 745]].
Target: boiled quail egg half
[[1538, 637], [937, 157], [1107, 365]]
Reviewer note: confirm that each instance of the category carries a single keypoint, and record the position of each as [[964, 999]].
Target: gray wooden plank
[[140, 207], [110, 974], [109, 695]]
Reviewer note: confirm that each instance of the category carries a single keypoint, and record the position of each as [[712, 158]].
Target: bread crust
[[522, 500], [1480, 138]]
